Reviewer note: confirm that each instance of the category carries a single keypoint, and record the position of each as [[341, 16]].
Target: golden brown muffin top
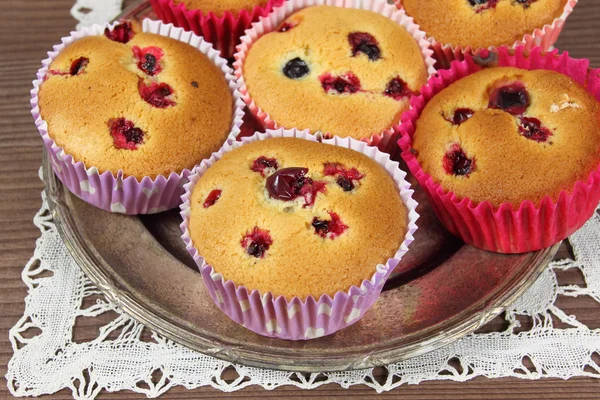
[[329, 233], [148, 107], [509, 135], [218, 7], [339, 70], [481, 23]]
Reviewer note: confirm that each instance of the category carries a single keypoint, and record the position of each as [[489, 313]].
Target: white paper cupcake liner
[[299, 319], [114, 192]]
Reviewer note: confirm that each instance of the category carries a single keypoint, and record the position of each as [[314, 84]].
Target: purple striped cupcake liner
[[299, 319], [117, 193]]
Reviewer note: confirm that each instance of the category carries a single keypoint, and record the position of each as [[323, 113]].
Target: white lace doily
[[118, 358], [89, 12]]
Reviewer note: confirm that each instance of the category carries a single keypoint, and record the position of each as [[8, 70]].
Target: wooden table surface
[[28, 29]]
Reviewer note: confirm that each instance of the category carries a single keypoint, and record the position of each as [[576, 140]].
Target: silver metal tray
[[442, 290]]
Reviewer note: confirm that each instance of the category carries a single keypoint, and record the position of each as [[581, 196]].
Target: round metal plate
[[442, 289]]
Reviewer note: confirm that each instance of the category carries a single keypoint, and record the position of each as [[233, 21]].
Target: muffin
[[341, 71], [221, 22], [267, 205], [509, 155], [457, 25], [126, 113], [219, 7], [147, 107], [285, 223], [481, 23], [509, 135]]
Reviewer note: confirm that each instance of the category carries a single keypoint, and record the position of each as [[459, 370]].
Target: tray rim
[[436, 336]]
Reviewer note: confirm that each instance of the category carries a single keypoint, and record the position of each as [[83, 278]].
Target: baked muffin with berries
[[345, 71], [219, 7], [482, 23], [136, 102], [507, 135], [296, 218], [220, 22]]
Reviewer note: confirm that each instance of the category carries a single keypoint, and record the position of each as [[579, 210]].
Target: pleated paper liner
[[503, 229], [543, 37], [299, 319], [223, 32], [115, 192], [386, 140]]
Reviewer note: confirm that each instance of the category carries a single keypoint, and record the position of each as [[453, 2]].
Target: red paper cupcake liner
[[502, 229], [543, 37], [385, 141], [223, 32]]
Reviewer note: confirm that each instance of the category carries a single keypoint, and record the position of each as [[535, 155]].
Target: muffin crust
[[509, 155], [328, 41], [219, 7], [177, 132], [298, 260], [494, 23]]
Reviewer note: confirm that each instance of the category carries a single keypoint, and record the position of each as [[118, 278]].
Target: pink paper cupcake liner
[[502, 229], [117, 193], [223, 32], [386, 140], [543, 37], [298, 319]]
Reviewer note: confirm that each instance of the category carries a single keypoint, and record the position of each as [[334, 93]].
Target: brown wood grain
[[28, 29]]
